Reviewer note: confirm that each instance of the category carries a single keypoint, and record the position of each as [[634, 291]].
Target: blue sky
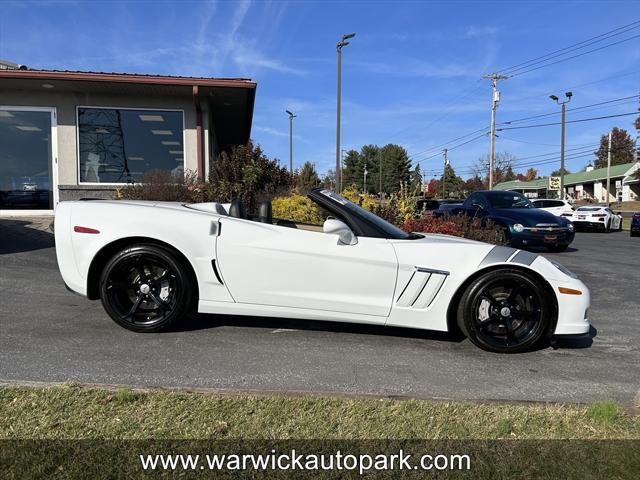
[[411, 76]]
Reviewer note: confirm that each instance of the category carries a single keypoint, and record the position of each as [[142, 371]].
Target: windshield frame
[[495, 195], [363, 222]]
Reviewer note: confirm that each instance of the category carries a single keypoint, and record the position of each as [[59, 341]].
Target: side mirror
[[337, 227]]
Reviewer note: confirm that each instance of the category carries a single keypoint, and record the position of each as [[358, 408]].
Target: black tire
[[145, 288], [607, 228], [558, 248], [505, 311]]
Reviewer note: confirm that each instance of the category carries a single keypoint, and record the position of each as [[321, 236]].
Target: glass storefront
[[121, 145], [26, 176]]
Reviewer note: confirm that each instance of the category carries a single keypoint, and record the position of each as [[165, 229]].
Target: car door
[[287, 267]]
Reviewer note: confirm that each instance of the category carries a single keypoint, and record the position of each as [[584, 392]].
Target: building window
[[119, 145], [26, 167]]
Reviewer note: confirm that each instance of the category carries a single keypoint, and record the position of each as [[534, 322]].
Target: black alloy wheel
[[505, 311], [145, 288]]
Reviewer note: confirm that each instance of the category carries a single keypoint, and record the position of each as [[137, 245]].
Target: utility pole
[[444, 174], [291, 117], [564, 114], [609, 167], [340, 44], [494, 77]]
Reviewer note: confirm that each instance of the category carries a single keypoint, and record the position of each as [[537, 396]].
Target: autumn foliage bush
[[459, 226]]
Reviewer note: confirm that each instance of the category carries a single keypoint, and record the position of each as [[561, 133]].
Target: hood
[[529, 217]]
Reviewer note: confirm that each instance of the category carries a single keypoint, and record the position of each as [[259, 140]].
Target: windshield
[[509, 200], [390, 230]]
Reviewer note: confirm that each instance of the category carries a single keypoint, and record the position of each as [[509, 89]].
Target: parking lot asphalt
[[48, 334]]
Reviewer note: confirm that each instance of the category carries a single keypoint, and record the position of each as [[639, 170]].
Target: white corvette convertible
[[150, 263]]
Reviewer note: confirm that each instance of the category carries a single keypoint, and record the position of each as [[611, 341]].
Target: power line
[[413, 155], [571, 121], [575, 46], [575, 56], [508, 122]]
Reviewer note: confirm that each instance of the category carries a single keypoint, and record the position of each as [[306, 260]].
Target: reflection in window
[[120, 145], [25, 160]]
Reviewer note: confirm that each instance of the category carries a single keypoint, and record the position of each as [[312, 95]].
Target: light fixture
[[569, 94], [162, 132], [151, 118], [170, 142], [553, 97], [4, 113], [28, 128], [47, 85]]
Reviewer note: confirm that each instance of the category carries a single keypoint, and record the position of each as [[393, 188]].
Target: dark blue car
[[525, 225], [635, 224]]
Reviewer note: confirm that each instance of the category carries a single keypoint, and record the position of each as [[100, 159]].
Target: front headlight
[[570, 227], [563, 269], [518, 227]]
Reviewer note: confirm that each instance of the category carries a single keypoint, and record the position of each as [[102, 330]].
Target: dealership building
[[67, 134], [591, 184]]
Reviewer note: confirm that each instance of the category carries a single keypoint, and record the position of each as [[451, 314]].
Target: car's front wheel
[[145, 288], [505, 311]]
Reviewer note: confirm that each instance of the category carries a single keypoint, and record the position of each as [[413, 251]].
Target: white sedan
[[560, 208], [150, 263], [596, 217]]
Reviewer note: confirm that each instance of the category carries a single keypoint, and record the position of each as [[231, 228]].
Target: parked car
[[525, 226], [635, 225], [151, 263], [597, 218], [560, 208], [427, 204]]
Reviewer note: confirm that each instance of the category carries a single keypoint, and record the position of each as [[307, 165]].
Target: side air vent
[[422, 288], [215, 270]]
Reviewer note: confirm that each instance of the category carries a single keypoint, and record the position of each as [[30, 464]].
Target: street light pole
[[494, 77], [365, 178], [609, 167], [444, 174], [340, 44], [291, 117], [564, 111]]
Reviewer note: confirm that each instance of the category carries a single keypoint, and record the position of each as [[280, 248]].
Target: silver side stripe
[[497, 255], [525, 258], [507, 254]]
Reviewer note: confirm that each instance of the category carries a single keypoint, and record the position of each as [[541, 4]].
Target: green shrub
[[297, 208]]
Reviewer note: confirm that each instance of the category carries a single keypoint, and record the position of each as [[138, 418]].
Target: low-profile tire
[[505, 311], [558, 248], [607, 228], [145, 288]]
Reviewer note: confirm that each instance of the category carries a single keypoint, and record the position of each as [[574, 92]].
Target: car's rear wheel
[[145, 288], [505, 311]]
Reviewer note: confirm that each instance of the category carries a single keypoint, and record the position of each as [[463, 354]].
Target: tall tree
[[396, 168], [531, 174], [416, 180], [453, 183], [558, 172], [509, 174], [501, 162], [352, 171], [621, 148], [307, 178]]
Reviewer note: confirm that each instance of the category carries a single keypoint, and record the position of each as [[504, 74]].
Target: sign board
[[554, 183]]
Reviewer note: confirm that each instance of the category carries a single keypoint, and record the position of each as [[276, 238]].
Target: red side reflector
[[79, 229], [569, 291]]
